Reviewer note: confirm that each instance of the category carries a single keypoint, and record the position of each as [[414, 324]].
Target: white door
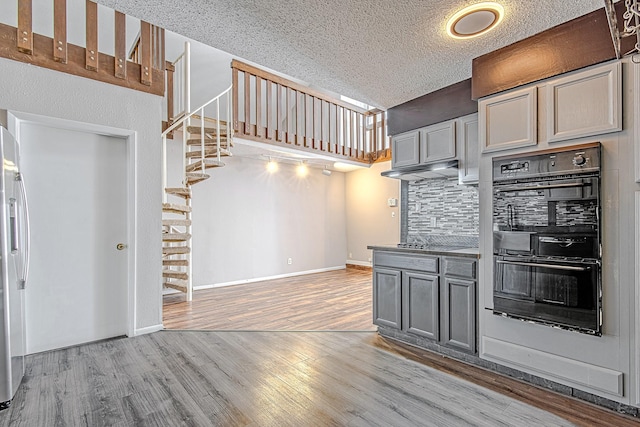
[[77, 186]]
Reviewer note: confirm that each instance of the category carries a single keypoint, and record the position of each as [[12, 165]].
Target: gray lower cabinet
[[427, 296], [387, 301], [459, 314], [420, 301]]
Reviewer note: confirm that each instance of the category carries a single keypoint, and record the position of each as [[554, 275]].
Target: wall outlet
[[350, 255], [369, 259], [289, 261]]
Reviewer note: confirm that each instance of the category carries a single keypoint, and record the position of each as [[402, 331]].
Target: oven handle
[[541, 187], [535, 264]]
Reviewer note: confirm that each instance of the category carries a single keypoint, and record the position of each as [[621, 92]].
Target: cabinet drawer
[[408, 262], [459, 267]]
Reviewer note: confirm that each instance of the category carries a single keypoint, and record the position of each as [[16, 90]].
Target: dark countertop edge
[[463, 253]]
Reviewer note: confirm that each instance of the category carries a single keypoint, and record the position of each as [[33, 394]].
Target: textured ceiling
[[380, 52]]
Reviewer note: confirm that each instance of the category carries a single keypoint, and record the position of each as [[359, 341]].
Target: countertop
[[437, 250]]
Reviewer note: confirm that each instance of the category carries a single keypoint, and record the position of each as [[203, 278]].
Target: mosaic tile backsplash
[[454, 207]]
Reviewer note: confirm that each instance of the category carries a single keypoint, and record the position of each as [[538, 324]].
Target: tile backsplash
[[454, 207]]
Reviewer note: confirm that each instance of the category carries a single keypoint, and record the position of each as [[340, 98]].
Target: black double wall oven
[[546, 238]]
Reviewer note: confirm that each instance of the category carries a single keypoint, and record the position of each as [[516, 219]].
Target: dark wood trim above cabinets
[[444, 104], [575, 44]]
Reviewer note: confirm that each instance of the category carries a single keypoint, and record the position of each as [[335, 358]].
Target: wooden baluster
[[236, 109], [269, 109], [309, 128], [258, 106], [352, 123], [280, 127], [60, 30], [25, 30], [297, 119], [91, 51], [286, 115], [170, 70], [374, 133], [323, 144], [145, 53], [120, 46], [344, 131], [336, 144], [358, 133], [383, 139], [247, 103]]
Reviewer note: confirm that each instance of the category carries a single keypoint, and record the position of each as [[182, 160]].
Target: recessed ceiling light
[[475, 20]]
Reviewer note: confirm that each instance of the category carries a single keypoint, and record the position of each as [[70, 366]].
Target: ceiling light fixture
[[326, 171], [272, 166], [475, 20], [302, 170]]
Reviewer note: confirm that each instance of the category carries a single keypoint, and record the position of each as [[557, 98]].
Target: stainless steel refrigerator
[[14, 266]]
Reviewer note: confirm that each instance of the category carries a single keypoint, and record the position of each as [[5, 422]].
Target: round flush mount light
[[475, 20]]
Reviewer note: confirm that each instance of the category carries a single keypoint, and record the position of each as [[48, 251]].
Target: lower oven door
[[562, 293]]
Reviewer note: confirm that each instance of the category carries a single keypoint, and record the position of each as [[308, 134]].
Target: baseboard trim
[[359, 266], [360, 263], [148, 330], [262, 279]]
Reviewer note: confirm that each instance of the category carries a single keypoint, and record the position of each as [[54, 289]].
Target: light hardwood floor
[[199, 378], [336, 300]]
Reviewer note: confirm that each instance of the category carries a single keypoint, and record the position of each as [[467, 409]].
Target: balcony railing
[[271, 109], [22, 44]]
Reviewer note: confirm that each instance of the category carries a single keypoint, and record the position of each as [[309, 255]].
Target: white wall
[[369, 219], [247, 222], [35, 90]]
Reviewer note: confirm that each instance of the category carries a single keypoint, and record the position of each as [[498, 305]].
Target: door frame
[[15, 119]]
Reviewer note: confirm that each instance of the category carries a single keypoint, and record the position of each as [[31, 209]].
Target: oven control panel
[[581, 159]]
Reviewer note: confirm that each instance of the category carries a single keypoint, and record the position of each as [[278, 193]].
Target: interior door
[[77, 186]]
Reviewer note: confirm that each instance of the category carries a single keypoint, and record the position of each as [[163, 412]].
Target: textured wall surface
[[49, 93], [454, 207]]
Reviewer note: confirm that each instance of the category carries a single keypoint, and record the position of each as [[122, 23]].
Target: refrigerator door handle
[[22, 279]]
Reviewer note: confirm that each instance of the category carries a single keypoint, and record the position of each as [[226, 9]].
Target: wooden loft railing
[[22, 44], [270, 109]]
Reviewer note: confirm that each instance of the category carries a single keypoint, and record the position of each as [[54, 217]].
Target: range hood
[[445, 169]]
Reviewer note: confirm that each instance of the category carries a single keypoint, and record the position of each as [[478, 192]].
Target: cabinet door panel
[[584, 104], [405, 149], [509, 120], [438, 142], [387, 302], [459, 314], [468, 149], [420, 304]]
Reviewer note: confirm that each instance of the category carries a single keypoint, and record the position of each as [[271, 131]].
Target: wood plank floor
[[335, 300], [199, 378]]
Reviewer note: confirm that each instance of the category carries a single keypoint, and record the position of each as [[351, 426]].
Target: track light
[[326, 171], [302, 170], [272, 166]]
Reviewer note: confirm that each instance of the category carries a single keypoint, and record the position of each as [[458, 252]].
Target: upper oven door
[[557, 202]]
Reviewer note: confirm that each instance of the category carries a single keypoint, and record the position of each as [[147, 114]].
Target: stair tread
[[180, 275], [176, 222], [195, 177], [175, 237], [177, 284], [209, 142], [179, 191], [174, 250], [209, 163], [208, 129], [172, 207], [211, 152], [177, 262]]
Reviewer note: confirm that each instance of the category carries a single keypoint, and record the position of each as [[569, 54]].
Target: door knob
[[120, 246]]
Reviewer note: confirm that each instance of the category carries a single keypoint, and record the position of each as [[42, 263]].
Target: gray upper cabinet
[[585, 103], [468, 149], [508, 120], [387, 302], [420, 300], [405, 149], [438, 142]]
